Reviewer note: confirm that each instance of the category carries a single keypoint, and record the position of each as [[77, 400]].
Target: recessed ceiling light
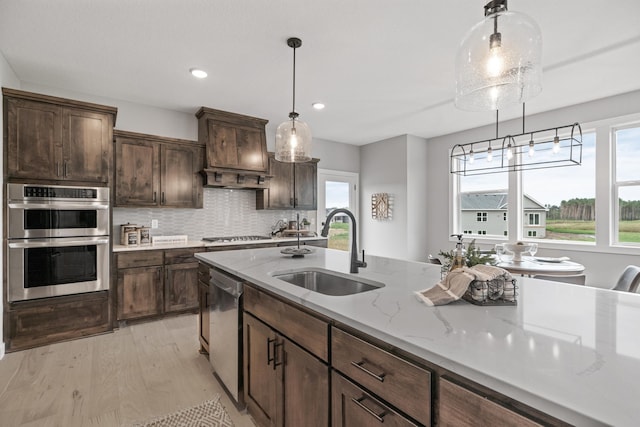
[[195, 72], [318, 105]]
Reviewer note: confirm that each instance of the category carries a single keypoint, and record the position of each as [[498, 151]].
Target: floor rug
[[210, 413]]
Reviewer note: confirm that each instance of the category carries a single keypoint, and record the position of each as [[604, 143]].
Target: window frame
[[606, 198], [616, 185]]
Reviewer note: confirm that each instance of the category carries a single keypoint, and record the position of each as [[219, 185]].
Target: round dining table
[[530, 266]]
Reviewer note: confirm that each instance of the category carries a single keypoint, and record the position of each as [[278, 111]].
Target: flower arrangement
[[472, 256]]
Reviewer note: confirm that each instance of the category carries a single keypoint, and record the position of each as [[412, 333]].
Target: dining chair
[[576, 279], [434, 260], [629, 280]]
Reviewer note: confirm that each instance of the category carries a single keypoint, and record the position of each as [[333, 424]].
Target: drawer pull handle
[[275, 355], [360, 366], [269, 358], [379, 417]]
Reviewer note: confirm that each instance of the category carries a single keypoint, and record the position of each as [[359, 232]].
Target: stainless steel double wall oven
[[58, 240]]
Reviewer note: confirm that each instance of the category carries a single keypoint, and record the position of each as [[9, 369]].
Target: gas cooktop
[[234, 239]]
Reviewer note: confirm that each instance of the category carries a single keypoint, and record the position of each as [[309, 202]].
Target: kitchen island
[[568, 351]]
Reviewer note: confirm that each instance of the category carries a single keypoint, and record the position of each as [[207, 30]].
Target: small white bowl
[[517, 250]]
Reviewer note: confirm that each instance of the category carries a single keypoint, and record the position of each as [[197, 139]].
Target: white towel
[[456, 283]]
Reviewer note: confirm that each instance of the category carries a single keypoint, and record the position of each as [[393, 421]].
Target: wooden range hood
[[236, 149]]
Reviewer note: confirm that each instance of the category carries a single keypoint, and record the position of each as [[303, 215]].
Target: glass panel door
[[337, 190]]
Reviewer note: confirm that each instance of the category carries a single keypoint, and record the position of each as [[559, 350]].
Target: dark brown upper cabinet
[[292, 186], [236, 148], [153, 171], [57, 139]]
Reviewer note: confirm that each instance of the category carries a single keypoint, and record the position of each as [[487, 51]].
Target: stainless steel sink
[[327, 282]]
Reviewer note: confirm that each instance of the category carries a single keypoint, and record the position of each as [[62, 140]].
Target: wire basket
[[493, 292]]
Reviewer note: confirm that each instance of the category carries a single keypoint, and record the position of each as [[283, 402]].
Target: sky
[[337, 194]]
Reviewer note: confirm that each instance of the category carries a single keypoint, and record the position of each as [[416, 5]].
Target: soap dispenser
[[458, 259]]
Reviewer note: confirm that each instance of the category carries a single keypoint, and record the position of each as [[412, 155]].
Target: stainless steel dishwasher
[[225, 332]]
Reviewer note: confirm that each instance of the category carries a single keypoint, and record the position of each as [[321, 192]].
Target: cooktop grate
[[234, 239]]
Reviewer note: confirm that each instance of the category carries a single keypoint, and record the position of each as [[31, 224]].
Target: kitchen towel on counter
[[456, 283]]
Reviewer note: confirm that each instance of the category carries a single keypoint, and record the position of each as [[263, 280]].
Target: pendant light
[[499, 61], [293, 137]]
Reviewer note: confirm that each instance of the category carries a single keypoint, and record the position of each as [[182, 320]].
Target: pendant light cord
[[294, 80]]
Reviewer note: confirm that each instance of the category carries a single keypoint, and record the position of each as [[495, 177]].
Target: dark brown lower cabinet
[[354, 407], [204, 305], [156, 282], [284, 384], [48, 320], [180, 290], [139, 292], [460, 407]]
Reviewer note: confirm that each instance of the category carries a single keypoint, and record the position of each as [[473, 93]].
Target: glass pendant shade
[[293, 141], [293, 137], [499, 63]]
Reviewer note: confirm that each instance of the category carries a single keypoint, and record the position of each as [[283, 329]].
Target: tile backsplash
[[226, 212]]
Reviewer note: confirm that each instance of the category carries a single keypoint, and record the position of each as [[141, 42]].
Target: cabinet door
[[203, 319], [86, 146], [353, 407], [306, 186], [34, 140], [305, 386], [181, 287], [139, 292], [281, 185], [260, 381], [137, 173], [180, 176]]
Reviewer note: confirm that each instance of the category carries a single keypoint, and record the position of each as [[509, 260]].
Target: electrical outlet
[[154, 223]]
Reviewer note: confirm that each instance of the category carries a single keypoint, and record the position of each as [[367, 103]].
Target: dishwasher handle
[[226, 283]]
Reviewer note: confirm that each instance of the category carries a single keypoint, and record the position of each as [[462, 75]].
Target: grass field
[[586, 230], [339, 236]]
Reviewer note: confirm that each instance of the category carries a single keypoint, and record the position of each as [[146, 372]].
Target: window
[[482, 232], [481, 198], [627, 185], [565, 197], [532, 233], [504, 216]]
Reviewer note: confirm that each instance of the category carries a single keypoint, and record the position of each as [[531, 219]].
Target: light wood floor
[[134, 374]]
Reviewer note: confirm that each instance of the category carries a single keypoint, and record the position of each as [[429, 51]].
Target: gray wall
[[7, 79], [602, 266], [396, 166]]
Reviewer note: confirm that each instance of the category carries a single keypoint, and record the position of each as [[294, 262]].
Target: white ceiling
[[383, 67]]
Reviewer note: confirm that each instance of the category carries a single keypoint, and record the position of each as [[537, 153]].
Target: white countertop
[[203, 244], [570, 351]]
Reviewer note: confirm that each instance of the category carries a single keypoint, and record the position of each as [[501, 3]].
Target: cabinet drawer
[[304, 329], [459, 407], [180, 256], [395, 380], [139, 259], [353, 407]]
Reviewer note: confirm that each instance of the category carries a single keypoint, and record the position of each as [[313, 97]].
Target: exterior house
[[485, 213]]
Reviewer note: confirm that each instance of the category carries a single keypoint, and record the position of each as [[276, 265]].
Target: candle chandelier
[[540, 149]]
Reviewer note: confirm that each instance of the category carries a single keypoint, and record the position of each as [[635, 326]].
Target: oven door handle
[[43, 243], [60, 206]]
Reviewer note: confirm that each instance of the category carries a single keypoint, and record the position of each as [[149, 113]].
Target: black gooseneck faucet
[[355, 262]]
